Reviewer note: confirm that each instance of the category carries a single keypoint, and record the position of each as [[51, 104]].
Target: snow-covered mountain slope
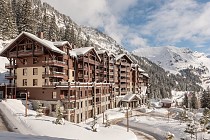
[[3, 60], [174, 59]]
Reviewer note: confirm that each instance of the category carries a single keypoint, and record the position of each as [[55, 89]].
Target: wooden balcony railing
[[25, 53], [10, 66], [10, 76], [54, 63]]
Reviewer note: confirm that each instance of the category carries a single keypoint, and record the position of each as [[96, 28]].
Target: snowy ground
[[158, 122], [43, 126]]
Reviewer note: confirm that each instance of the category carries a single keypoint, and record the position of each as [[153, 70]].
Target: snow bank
[[43, 126]]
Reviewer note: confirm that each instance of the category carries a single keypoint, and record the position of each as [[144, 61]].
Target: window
[[72, 73], [54, 95], [24, 82], [35, 82], [24, 61], [53, 107], [35, 71], [24, 71], [35, 60]]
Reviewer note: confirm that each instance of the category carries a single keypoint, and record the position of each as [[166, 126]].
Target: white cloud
[[97, 13], [138, 42], [179, 20], [166, 22]]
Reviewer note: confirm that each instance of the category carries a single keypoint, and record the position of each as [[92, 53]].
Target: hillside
[[176, 60], [33, 16]]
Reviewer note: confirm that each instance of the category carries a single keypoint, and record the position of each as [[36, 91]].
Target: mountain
[[175, 60], [33, 16]]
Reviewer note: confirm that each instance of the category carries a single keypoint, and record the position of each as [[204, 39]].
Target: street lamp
[[26, 105]]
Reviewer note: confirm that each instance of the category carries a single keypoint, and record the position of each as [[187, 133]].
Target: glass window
[[35, 60], [35, 82], [35, 71], [24, 71], [24, 82], [24, 61], [54, 94]]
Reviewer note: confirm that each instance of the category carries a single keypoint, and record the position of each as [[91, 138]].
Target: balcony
[[26, 53], [54, 63], [111, 73], [123, 74], [10, 76], [82, 68], [55, 74], [123, 80], [10, 66], [122, 69]]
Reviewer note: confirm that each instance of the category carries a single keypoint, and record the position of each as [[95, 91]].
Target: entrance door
[[1, 95]]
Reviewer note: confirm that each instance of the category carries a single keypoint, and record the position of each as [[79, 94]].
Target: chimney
[[41, 35]]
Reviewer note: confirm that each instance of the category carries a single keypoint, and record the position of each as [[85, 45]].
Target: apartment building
[[85, 81]]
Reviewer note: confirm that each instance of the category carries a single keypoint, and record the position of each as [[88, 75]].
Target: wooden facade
[[86, 81]]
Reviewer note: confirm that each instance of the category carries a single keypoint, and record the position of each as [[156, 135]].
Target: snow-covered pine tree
[[194, 101], [37, 16], [67, 34], [205, 99], [26, 21], [53, 29], [45, 25], [3, 11], [8, 25]]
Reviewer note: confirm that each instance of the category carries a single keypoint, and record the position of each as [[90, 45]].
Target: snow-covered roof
[[101, 51], [82, 51], [145, 74], [122, 55], [167, 100], [134, 65], [109, 54], [140, 70], [61, 43], [129, 97], [73, 54], [46, 43]]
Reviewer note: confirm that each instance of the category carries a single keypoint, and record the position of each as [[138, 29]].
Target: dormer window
[[24, 61]]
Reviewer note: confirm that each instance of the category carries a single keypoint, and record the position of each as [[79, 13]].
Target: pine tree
[[205, 100], [67, 35], [7, 22], [26, 21], [53, 29], [45, 25], [3, 11], [194, 101], [185, 100]]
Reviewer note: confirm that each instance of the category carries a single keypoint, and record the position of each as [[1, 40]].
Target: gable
[[24, 36]]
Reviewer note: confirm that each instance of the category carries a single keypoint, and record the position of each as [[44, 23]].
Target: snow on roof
[[101, 51], [73, 54], [44, 42], [167, 100], [145, 74], [61, 43], [129, 97], [122, 55], [82, 51], [109, 54], [140, 70], [134, 65]]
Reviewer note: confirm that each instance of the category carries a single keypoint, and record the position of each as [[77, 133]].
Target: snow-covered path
[[156, 133]]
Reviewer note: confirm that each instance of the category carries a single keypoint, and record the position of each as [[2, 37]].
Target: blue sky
[[145, 23]]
